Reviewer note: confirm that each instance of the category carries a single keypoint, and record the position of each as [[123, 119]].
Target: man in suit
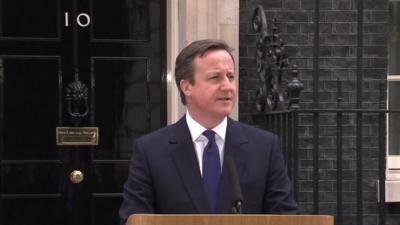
[[180, 169]]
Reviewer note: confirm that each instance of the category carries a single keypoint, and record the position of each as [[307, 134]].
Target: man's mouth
[[224, 99]]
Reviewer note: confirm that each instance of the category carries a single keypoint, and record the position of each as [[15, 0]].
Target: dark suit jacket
[[164, 176]]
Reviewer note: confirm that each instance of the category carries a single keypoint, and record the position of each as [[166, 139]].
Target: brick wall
[[358, 61]]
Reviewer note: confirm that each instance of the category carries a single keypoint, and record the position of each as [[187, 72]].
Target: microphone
[[233, 181]]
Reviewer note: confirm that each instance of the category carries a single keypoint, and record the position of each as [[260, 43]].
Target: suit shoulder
[[157, 135], [252, 131]]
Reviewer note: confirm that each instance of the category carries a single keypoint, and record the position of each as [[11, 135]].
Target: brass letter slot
[[77, 135]]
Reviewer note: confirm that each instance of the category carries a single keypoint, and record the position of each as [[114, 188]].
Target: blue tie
[[211, 169]]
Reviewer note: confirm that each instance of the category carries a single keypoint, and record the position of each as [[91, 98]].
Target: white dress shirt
[[200, 141]]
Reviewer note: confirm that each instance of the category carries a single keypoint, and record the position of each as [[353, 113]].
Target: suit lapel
[[235, 147], [186, 162], [184, 156]]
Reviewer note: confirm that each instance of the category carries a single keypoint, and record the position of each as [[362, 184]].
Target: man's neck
[[206, 122]]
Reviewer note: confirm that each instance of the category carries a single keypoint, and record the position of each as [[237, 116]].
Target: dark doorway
[[111, 55]]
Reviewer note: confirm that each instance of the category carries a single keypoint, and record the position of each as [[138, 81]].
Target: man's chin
[[225, 113]]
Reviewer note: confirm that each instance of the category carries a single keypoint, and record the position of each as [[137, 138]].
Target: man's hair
[[184, 64]]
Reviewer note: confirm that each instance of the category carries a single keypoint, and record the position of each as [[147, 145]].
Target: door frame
[[188, 21]]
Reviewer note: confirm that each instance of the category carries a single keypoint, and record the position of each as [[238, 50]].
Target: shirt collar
[[196, 129]]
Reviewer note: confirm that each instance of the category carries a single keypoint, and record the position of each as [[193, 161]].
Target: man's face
[[212, 96]]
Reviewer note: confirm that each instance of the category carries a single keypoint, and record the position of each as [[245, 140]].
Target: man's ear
[[186, 87]]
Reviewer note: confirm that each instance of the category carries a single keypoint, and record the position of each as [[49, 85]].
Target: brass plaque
[[77, 135]]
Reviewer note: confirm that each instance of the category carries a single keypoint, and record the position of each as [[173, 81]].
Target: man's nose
[[228, 84]]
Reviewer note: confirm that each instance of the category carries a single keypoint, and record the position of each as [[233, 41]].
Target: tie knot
[[210, 134]]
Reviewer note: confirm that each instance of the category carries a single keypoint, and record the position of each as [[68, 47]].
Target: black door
[[75, 64]]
